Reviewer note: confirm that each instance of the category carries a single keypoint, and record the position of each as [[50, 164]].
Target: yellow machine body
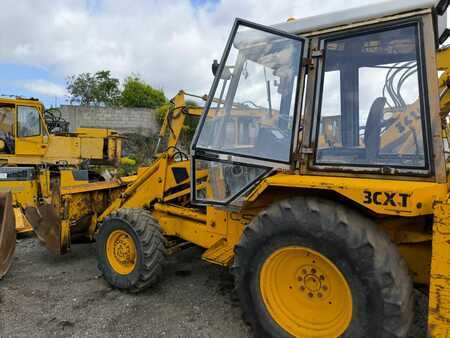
[[35, 144], [217, 198]]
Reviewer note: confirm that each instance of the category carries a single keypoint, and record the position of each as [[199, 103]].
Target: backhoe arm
[[174, 121], [151, 182]]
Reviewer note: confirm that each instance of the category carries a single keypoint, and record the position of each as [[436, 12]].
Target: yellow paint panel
[[62, 147], [24, 192], [389, 197], [93, 132], [439, 297], [33, 145], [91, 148], [190, 230]]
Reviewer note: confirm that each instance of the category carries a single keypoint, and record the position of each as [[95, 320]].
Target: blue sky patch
[[23, 80]]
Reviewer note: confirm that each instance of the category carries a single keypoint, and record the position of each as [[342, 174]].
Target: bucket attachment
[[7, 233], [48, 228]]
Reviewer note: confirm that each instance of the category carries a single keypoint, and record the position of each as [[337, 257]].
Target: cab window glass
[[28, 121], [253, 110], [7, 119], [7, 112], [370, 111]]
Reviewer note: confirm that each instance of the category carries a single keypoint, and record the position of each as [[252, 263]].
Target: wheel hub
[[312, 282], [121, 252]]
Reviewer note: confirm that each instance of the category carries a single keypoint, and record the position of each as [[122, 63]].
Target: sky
[[169, 43]]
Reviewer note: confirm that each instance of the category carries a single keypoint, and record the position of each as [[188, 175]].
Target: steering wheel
[[372, 132]]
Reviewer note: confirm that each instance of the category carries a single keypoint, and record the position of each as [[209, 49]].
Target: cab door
[[29, 136], [258, 84]]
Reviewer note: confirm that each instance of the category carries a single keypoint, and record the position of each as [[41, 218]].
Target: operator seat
[[272, 143], [372, 132]]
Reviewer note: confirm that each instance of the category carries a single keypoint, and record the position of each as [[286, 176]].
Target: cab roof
[[20, 100], [354, 15]]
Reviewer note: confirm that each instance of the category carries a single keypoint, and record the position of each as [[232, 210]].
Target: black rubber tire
[[376, 273], [150, 247]]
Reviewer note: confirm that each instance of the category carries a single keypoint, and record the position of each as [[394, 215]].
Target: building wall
[[124, 120]]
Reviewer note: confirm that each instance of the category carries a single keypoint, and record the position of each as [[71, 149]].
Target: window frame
[[244, 158], [18, 121], [198, 153], [428, 168], [232, 198]]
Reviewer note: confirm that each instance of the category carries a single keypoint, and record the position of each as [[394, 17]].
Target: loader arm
[[152, 182]]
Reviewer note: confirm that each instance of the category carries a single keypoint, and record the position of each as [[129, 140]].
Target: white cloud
[[45, 87], [169, 43]]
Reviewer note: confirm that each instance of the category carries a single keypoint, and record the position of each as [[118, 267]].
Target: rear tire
[[271, 287], [131, 250]]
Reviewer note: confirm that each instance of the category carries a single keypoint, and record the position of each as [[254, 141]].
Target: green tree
[[99, 89], [136, 93]]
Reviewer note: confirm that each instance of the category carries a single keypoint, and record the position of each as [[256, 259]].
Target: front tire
[[308, 267], [131, 249]]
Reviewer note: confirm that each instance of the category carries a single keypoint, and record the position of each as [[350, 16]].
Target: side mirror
[[226, 73], [215, 67]]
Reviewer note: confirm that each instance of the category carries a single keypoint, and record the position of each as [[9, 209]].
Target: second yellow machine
[[36, 145]]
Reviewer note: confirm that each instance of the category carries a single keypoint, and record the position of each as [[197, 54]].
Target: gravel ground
[[44, 295]]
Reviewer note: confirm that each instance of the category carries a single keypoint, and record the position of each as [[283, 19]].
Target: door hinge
[[307, 62], [299, 154], [306, 150], [317, 53]]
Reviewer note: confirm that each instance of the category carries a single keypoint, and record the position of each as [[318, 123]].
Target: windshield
[[28, 121], [252, 113]]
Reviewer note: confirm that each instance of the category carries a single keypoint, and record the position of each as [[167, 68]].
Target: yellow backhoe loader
[[34, 141], [317, 173]]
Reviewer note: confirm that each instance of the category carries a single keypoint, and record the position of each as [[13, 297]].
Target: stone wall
[[124, 120]]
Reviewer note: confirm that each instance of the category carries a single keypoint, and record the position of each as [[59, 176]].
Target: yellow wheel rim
[[121, 252], [305, 293]]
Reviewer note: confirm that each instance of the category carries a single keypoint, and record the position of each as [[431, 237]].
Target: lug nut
[[310, 295], [325, 288]]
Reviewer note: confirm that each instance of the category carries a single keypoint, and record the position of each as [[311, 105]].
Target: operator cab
[[20, 121], [342, 93]]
